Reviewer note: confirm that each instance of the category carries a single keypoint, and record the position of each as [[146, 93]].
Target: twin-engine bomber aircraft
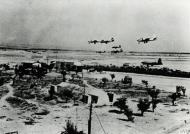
[[102, 41], [93, 41], [115, 47], [146, 40], [107, 41], [159, 62]]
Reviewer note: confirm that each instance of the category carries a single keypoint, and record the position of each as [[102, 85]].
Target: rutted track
[[9, 94]]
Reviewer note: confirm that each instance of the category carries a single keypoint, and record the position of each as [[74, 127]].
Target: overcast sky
[[69, 24]]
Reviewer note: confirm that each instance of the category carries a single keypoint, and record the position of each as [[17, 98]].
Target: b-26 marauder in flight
[[93, 41], [115, 47], [146, 40], [102, 41], [107, 41]]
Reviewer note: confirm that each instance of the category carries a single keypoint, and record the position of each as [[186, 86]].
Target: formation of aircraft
[[118, 49], [146, 40], [143, 40], [102, 41]]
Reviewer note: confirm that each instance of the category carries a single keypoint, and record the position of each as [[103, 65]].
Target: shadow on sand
[[168, 105], [124, 120], [137, 114], [149, 110], [115, 111]]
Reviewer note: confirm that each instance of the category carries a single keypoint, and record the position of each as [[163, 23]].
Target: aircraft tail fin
[[155, 38], [138, 41], [160, 61]]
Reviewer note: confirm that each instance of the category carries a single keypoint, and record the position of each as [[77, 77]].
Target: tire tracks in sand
[[9, 94]]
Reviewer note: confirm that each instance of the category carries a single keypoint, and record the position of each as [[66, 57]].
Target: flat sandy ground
[[166, 119]]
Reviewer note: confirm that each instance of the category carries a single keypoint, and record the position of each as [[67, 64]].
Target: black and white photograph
[[94, 67]]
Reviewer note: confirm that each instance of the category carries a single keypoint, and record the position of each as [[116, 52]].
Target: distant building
[[32, 68], [68, 66], [63, 65], [126, 64], [63, 86]]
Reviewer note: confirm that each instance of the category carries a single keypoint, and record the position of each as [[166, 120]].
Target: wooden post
[[82, 74], [90, 118], [83, 82], [84, 89], [47, 59]]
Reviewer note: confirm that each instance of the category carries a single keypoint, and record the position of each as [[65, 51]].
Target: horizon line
[[60, 49]]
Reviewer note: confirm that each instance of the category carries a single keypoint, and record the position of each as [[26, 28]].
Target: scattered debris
[[29, 121], [21, 103], [173, 111]]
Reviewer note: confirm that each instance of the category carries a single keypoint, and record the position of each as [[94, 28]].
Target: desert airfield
[[166, 119]]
